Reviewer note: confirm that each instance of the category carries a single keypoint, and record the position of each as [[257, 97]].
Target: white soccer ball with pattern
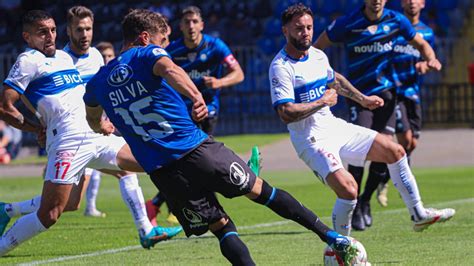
[[331, 258]]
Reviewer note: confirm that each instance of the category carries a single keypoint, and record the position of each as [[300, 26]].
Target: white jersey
[[303, 81], [321, 140], [54, 88], [87, 64]]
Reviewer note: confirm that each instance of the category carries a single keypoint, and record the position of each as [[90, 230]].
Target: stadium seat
[[445, 4], [267, 45], [272, 27], [350, 6], [281, 6], [328, 8], [394, 5], [320, 24], [443, 22]]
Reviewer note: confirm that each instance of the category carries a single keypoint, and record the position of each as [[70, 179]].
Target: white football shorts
[[68, 157], [349, 144]]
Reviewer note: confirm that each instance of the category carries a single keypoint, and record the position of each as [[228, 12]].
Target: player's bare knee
[[343, 183], [218, 225], [348, 191], [256, 189], [48, 217], [396, 152]]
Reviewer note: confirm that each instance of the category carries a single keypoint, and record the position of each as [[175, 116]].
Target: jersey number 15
[[141, 119]]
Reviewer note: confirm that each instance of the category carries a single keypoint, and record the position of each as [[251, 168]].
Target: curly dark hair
[[139, 20], [295, 10]]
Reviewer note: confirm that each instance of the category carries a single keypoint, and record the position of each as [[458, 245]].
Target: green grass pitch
[[272, 241]]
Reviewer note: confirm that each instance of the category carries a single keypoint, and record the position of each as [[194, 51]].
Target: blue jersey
[[369, 46], [208, 59], [405, 75], [149, 113]]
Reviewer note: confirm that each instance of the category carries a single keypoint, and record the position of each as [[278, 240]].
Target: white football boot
[[433, 216]]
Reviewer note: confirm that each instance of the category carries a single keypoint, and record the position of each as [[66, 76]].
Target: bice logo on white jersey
[[312, 94], [120, 75], [67, 79]]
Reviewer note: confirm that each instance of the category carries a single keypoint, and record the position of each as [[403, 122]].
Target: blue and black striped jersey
[[405, 75], [208, 59], [369, 46]]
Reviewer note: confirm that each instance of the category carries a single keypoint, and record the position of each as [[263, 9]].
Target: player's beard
[[299, 45], [78, 45], [412, 12]]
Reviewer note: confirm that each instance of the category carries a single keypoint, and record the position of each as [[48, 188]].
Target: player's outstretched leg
[[404, 181], [285, 205], [158, 234], [14, 209], [53, 201], [133, 197]]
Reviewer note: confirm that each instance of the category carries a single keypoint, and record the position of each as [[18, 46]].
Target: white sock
[[405, 182], [23, 229], [93, 190], [133, 197], [342, 215], [23, 207]]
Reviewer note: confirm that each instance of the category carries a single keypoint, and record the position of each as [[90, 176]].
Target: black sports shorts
[[190, 182], [408, 116], [381, 119]]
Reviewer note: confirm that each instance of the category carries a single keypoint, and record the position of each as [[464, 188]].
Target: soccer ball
[[332, 259]]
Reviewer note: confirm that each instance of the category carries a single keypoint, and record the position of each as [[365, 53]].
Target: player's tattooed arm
[[10, 114], [346, 89], [292, 112]]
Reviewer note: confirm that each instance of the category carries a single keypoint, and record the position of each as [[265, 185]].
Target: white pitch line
[[118, 250]]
